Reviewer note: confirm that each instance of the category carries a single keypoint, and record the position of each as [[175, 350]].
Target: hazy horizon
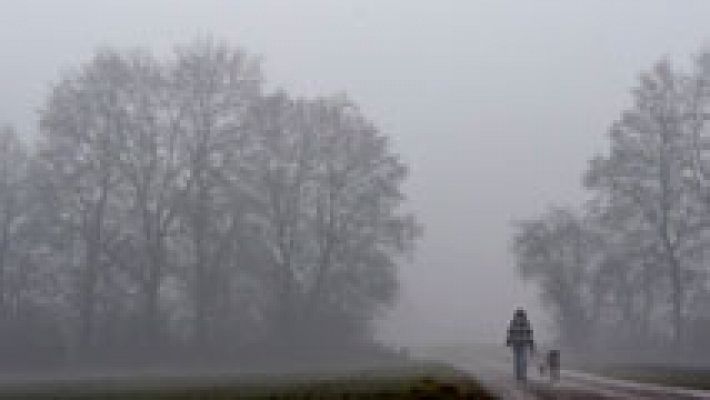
[[495, 105]]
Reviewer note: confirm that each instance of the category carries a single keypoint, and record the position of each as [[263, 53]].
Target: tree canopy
[[173, 208]]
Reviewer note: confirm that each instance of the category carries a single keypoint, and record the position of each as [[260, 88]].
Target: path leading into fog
[[573, 385], [495, 371]]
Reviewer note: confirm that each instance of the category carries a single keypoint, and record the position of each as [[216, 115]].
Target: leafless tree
[[330, 189]]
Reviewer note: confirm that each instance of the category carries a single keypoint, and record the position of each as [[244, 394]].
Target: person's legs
[[520, 363], [554, 360]]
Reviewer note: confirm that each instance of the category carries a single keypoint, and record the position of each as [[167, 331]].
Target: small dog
[[542, 368]]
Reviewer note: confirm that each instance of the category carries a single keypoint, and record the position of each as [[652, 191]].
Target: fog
[[496, 106]]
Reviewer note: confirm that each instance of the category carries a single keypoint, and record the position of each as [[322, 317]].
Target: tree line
[[629, 269], [172, 207]]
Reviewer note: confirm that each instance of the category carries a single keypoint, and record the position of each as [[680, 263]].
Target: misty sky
[[496, 106]]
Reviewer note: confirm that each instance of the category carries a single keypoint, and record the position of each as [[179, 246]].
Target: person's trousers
[[521, 363]]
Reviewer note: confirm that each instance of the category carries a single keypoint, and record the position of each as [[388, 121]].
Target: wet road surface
[[496, 373]]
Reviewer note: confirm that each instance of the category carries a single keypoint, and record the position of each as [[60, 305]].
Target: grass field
[[692, 378], [417, 382]]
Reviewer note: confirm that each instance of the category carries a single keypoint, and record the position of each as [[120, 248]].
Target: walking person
[[520, 338]]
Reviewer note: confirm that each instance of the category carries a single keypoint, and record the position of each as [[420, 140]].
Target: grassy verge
[[414, 382], [691, 378]]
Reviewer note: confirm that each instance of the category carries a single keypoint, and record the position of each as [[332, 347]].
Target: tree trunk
[[678, 321]]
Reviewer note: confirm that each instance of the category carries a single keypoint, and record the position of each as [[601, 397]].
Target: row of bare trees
[[632, 269], [171, 206]]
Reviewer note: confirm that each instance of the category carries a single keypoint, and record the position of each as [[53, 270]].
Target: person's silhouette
[[520, 338]]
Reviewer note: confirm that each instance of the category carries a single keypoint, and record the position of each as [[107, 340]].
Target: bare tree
[[173, 209], [14, 160], [643, 176], [331, 193], [562, 252], [81, 128], [152, 173], [214, 87]]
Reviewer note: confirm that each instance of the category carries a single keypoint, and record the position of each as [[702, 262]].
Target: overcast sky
[[496, 106]]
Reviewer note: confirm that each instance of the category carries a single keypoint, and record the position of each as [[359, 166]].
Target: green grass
[[668, 376], [415, 382], [665, 375]]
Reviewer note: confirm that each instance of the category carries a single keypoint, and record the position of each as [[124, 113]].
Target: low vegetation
[[427, 382], [691, 378]]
